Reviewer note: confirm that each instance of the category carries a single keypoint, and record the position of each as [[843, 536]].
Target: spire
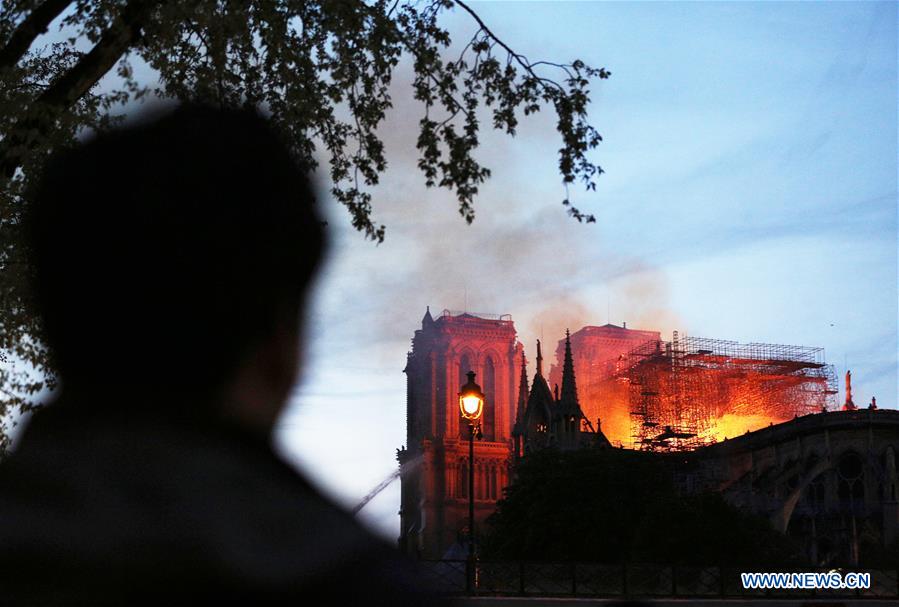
[[569, 400], [539, 360], [522, 388], [427, 320], [522, 396], [537, 421]]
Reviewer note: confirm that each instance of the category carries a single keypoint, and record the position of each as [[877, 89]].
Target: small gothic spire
[[539, 360], [428, 319], [569, 386], [523, 391]]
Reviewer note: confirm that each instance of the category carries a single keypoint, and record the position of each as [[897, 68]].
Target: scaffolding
[[691, 391]]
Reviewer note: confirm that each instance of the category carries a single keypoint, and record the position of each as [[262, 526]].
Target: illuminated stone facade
[[434, 502]]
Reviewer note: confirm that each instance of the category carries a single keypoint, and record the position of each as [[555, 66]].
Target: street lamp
[[471, 403]]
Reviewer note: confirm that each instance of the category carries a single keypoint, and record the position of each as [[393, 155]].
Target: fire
[[738, 409], [680, 395], [608, 402], [731, 425]]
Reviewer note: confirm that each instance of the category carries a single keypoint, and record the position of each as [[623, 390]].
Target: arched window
[[488, 423], [851, 483], [816, 492]]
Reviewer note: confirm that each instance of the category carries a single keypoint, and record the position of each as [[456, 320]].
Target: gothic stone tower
[[434, 502]]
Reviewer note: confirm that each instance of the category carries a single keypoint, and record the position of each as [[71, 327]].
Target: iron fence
[[625, 580]]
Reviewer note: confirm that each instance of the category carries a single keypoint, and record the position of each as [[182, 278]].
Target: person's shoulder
[[210, 511]]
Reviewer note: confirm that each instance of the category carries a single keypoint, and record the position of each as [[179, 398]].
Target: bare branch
[[519, 58]]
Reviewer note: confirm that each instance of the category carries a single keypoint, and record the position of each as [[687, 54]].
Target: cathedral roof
[[610, 330], [540, 403]]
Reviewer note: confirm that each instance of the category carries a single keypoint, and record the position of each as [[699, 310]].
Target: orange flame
[[731, 425]]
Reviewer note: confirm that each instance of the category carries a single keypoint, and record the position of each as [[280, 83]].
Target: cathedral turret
[[568, 409], [518, 428], [569, 386], [537, 423], [427, 320], [539, 360]]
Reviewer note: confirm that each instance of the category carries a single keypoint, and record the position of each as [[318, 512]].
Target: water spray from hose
[[403, 469]]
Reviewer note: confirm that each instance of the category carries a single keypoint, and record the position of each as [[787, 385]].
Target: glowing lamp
[[471, 400], [471, 404]]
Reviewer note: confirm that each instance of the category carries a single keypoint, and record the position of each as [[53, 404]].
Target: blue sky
[[750, 193]]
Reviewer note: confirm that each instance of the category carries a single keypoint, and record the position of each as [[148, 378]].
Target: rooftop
[[454, 315]]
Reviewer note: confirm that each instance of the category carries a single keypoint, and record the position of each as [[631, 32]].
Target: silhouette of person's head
[[171, 261]]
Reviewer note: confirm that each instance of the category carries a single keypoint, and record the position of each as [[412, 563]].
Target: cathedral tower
[[434, 502]]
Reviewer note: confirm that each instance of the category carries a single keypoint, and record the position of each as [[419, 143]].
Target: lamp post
[[471, 404]]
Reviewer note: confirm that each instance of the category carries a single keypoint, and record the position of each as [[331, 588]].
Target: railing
[[628, 580], [481, 315]]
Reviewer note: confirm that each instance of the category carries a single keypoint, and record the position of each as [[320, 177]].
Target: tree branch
[[33, 26], [72, 85], [519, 58], [123, 32]]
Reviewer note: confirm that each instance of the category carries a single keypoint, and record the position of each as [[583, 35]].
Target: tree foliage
[[616, 506], [322, 70]]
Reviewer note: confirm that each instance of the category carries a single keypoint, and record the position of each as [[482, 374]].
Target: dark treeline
[[617, 506]]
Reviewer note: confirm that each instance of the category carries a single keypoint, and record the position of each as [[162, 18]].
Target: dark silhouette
[[622, 506], [171, 262]]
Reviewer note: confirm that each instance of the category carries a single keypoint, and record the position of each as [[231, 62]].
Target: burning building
[[658, 395], [516, 419], [631, 388], [600, 356]]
